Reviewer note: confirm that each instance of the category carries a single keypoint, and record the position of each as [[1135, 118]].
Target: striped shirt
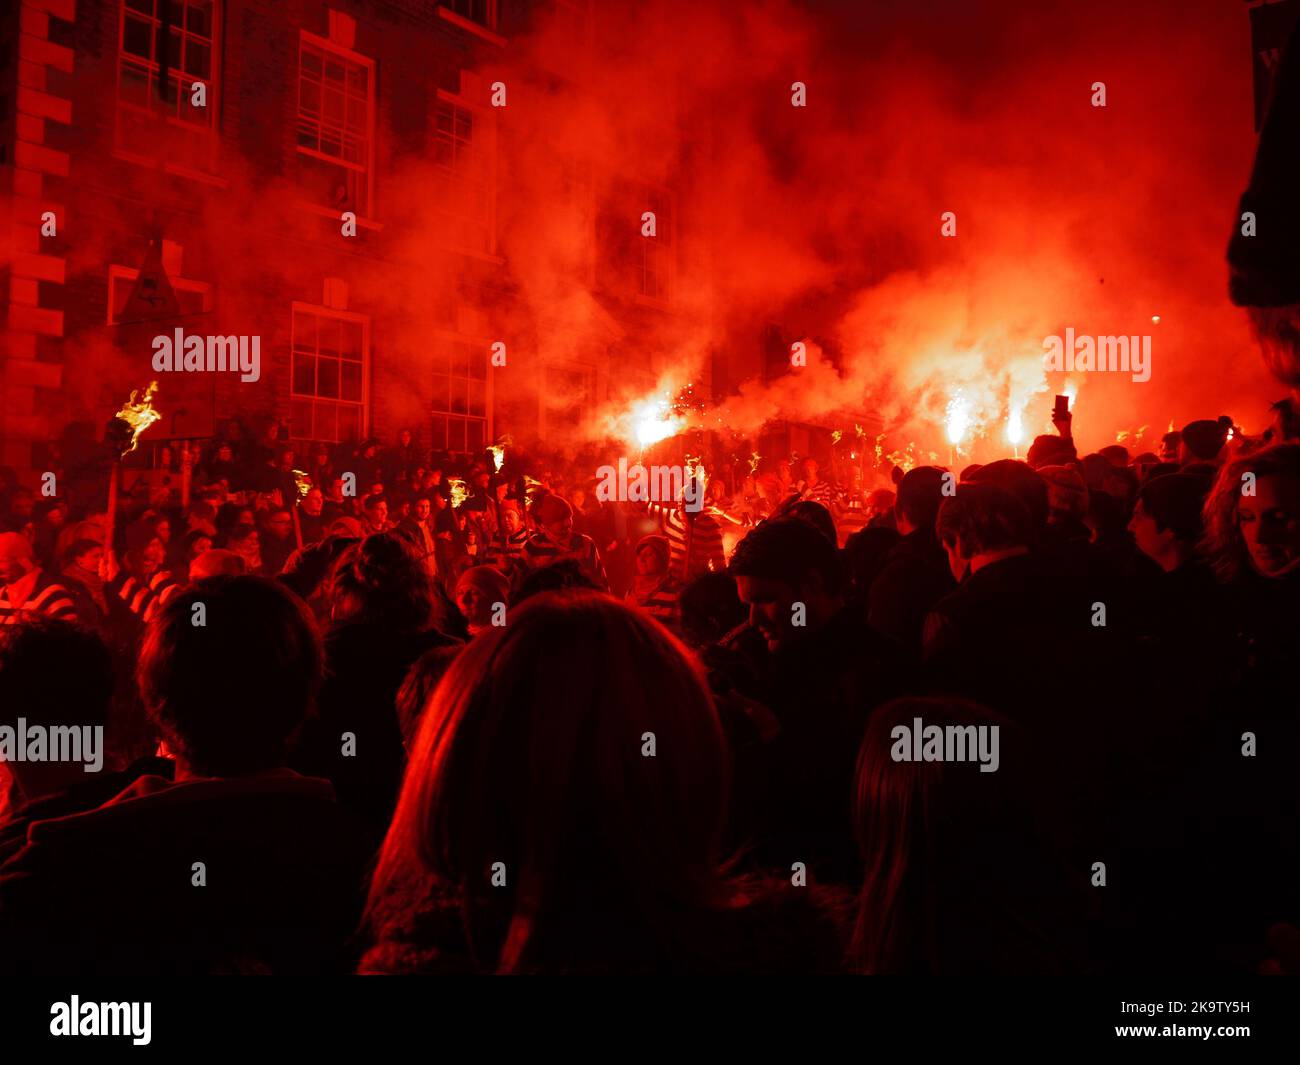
[[540, 551], [37, 593], [146, 598], [706, 540], [662, 602], [822, 492]]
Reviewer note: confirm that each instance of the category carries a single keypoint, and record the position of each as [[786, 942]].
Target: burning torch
[[121, 436]]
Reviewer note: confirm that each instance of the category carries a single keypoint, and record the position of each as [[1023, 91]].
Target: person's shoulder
[[792, 929]]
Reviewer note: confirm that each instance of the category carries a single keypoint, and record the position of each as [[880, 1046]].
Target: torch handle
[[114, 477]]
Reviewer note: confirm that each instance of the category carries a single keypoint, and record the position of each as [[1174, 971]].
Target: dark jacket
[[112, 891]]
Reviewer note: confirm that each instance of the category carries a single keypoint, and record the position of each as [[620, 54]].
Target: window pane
[[477, 398], [459, 395], [300, 419], [304, 331], [329, 336], [135, 85], [349, 423], [196, 59], [310, 62], [136, 37], [441, 392], [351, 340], [476, 439], [351, 388], [456, 434], [141, 5], [304, 375], [199, 18], [327, 379]]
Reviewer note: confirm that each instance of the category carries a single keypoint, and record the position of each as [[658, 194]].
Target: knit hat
[[1205, 439]]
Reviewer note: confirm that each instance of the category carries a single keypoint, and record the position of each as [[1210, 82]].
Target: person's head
[[224, 452], [881, 501], [917, 504], [382, 581], [865, 552], [195, 542], [511, 519], [202, 515], [423, 508], [1023, 483], [279, 523], [313, 503], [83, 555], [1170, 446], [16, 557], [554, 518], [145, 550], [1252, 516], [1203, 440], [244, 541], [478, 592], [812, 513], [481, 479], [1067, 492], [336, 489], [958, 878], [404, 437], [376, 507], [565, 575], [217, 562], [809, 469], [228, 696], [1049, 451], [710, 608], [981, 520], [52, 512], [1166, 523], [1115, 454], [532, 754], [54, 673], [652, 556], [782, 566]]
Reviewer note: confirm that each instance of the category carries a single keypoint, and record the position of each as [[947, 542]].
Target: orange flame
[[139, 414]]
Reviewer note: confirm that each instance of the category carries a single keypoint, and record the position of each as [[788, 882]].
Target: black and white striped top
[[48, 598]]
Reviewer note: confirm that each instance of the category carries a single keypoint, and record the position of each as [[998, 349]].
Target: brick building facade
[[233, 156]]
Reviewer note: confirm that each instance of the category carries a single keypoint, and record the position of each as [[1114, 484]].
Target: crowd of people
[[401, 713]]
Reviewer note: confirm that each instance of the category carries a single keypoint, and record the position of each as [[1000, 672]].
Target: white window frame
[[315, 309], [323, 44]]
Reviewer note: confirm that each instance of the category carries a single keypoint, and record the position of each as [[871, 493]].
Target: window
[[484, 12], [329, 374], [460, 400], [336, 120], [642, 266], [463, 144], [155, 113]]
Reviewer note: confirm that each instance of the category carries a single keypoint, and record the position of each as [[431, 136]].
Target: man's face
[[280, 526], [164, 531], [56, 517], [771, 608], [472, 604], [558, 532], [512, 521], [378, 513], [422, 510], [22, 504], [14, 564], [336, 489], [313, 503], [1146, 534], [151, 558], [404, 438], [1270, 525], [200, 545], [481, 481]]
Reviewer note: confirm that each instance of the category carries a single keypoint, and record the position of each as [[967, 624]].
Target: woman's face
[[1270, 525], [200, 544]]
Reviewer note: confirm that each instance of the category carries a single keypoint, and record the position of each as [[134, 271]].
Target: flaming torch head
[[653, 421], [459, 491], [136, 415], [302, 483], [498, 455]]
